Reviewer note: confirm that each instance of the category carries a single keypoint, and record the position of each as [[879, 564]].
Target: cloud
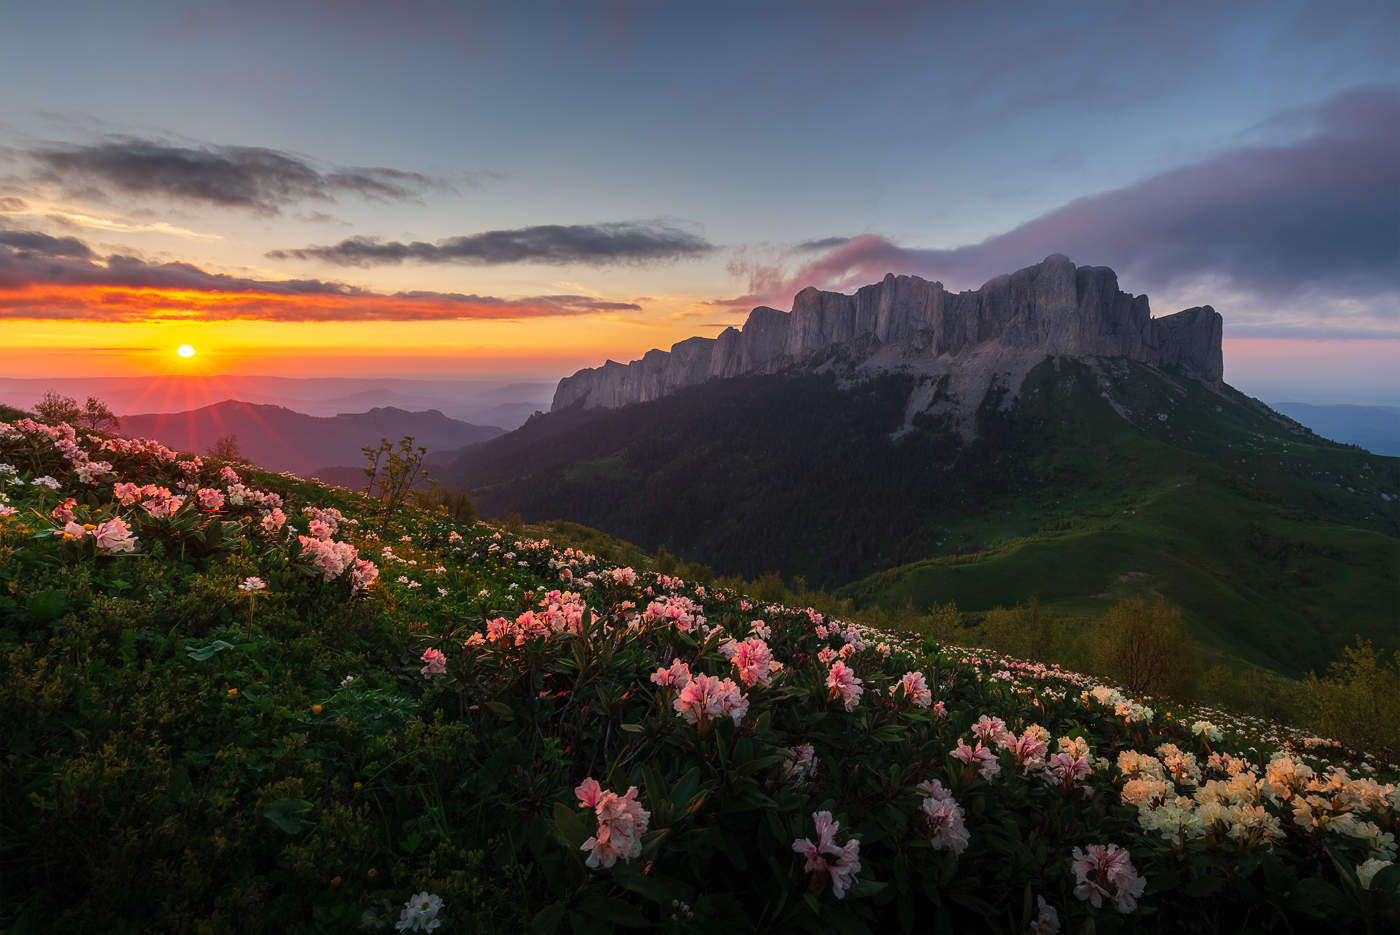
[[1314, 216], [9, 204], [825, 243], [591, 244], [259, 179], [44, 277], [32, 243]]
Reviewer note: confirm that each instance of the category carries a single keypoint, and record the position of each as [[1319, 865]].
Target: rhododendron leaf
[[547, 920], [570, 825], [287, 814], [200, 650], [864, 889], [501, 711], [1387, 880], [633, 728], [46, 606]]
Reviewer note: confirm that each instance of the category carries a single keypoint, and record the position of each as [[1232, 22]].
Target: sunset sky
[[479, 190]]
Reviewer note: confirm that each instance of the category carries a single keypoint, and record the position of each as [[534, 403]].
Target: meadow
[[234, 701]]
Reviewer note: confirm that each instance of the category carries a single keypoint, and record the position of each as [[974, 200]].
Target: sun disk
[[185, 350]]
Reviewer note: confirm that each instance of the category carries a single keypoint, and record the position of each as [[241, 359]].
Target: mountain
[[987, 473], [1375, 428], [283, 440], [907, 324], [481, 402]]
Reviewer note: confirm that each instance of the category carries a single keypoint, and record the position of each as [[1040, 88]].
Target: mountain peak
[[906, 323]]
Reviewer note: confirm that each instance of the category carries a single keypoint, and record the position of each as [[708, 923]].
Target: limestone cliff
[[995, 333]]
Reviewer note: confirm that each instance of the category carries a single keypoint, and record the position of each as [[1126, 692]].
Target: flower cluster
[[825, 859], [621, 823], [1106, 871]]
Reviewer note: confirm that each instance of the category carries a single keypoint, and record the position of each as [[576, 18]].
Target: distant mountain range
[[1375, 428], [283, 440], [1076, 453], [480, 402]]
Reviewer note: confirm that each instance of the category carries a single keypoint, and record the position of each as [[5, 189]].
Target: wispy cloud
[[558, 244], [1318, 216], [46, 277], [255, 178]]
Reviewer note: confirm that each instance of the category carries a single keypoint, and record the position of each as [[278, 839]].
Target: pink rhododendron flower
[[979, 758], [273, 520], [992, 730], [947, 831], [114, 536], [753, 659], [939, 709], [842, 681], [320, 530], [621, 823], [90, 471], [126, 494], [436, 663], [826, 656], [825, 859], [1106, 871], [707, 697], [253, 583], [677, 675], [64, 511], [362, 575], [799, 764], [331, 558], [915, 688], [1047, 920], [73, 531], [209, 498]]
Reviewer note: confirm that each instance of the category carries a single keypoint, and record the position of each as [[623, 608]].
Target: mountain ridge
[[976, 339]]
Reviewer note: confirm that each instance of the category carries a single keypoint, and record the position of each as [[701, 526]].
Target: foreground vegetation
[[239, 702]]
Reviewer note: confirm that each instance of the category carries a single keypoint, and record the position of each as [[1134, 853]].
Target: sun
[[185, 350]]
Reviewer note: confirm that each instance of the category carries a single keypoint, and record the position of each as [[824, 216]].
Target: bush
[[1146, 647]]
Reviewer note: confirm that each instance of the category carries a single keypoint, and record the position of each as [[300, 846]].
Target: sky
[[447, 189]]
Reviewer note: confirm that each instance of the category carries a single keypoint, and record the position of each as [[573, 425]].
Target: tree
[[54, 408], [455, 503], [394, 471], [1358, 702], [98, 417], [225, 448], [1145, 647]]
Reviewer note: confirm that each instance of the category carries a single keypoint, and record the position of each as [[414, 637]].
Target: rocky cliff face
[[997, 332]]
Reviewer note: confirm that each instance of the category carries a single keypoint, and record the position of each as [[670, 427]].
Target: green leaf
[[200, 650], [287, 814], [633, 728], [570, 826], [547, 920], [46, 606], [501, 711]]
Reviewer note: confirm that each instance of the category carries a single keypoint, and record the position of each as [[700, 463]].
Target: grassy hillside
[[1278, 546], [235, 702], [1099, 482]]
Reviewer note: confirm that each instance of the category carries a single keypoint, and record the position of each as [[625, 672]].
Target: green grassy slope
[[1278, 546]]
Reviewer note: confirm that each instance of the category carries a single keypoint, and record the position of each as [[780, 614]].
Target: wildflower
[[939, 709], [46, 481], [676, 675], [992, 730], [64, 511], [799, 764], [707, 696], [253, 583], [1047, 920], [1206, 731], [316, 709], [978, 757], [753, 659], [114, 536], [209, 498], [915, 688], [621, 823], [824, 858], [436, 663], [345, 683], [73, 531], [842, 681], [231, 692], [1107, 870], [945, 818], [1367, 871]]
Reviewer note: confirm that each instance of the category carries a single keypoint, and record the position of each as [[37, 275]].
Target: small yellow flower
[[232, 692], [315, 709], [355, 786], [89, 525], [335, 881], [372, 873]]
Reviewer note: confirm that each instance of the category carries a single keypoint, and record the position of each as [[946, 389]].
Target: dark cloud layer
[[592, 244], [44, 277], [1318, 215], [263, 180]]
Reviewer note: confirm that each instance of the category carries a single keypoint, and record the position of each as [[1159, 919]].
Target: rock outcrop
[[906, 323]]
